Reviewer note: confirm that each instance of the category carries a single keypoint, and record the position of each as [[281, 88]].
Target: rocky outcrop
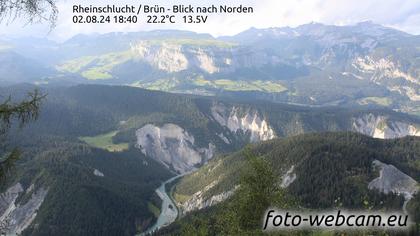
[[382, 69], [198, 201], [15, 216], [381, 127], [173, 57], [209, 57], [392, 180], [172, 146], [249, 122], [385, 71], [98, 173], [224, 138], [166, 57], [288, 178]]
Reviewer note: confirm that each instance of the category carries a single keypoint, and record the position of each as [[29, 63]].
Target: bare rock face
[[98, 173], [381, 127], [175, 57], [288, 178], [15, 216], [9, 197], [198, 201], [166, 57], [172, 146], [386, 71], [172, 57], [392, 180], [248, 122]]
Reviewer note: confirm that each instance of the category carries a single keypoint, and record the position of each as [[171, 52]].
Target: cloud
[[401, 14]]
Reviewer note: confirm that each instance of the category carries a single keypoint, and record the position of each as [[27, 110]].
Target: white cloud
[[401, 14]]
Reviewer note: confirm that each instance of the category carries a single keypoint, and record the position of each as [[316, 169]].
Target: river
[[168, 211]]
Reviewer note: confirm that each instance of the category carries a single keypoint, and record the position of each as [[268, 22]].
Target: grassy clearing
[[160, 84], [233, 85], [180, 198], [96, 68], [96, 74], [228, 85], [382, 101], [76, 65], [104, 141], [154, 209]]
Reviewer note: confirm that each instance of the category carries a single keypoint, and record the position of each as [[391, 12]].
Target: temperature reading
[[161, 19]]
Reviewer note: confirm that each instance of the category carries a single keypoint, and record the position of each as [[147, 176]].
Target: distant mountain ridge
[[313, 64]]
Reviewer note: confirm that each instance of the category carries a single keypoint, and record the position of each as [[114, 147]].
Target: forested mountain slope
[[132, 115], [314, 171]]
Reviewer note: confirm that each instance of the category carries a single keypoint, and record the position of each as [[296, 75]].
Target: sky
[[399, 14]]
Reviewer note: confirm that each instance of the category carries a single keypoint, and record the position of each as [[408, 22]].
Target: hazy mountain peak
[[366, 23]]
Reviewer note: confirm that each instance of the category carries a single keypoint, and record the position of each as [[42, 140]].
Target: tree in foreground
[[31, 10], [21, 112], [258, 190]]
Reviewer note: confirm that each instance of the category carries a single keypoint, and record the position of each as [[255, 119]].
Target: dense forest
[[89, 110], [81, 201], [332, 170]]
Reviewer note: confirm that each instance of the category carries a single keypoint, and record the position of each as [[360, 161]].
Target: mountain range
[[314, 64]]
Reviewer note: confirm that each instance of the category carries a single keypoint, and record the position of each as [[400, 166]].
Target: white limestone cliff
[[198, 201], [250, 122], [15, 217], [381, 127], [172, 146]]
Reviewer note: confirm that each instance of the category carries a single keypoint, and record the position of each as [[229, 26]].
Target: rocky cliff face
[[98, 173], [15, 216], [288, 178], [176, 57], [202, 199], [198, 201], [249, 122], [392, 180], [173, 146], [166, 57], [390, 73], [382, 127]]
